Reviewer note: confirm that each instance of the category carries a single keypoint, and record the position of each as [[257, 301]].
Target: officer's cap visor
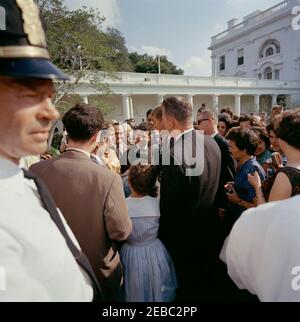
[[40, 68]]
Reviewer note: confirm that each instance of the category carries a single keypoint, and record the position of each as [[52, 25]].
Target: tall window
[[268, 73], [240, 57], [277, 74], [222, 63]]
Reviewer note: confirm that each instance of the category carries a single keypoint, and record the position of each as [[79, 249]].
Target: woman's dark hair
[[244, 118], [226, 119], [142, 179], [83, 121], [289, 129], [244, 139], [227, 110], [262, 134]]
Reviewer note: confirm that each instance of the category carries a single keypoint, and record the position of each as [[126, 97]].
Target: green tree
[[78, 45], [149, 64], [117, 43]]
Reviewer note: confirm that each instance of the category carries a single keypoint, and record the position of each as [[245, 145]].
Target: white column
[[256, 103], [237, 105], [215, 104], [160, 99], [214, 64], [131, 107], [190, 99], [291, 101], [126, 107], [84, 99], [274, 100]]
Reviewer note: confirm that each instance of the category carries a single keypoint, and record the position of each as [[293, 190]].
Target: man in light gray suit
[[90, 196]]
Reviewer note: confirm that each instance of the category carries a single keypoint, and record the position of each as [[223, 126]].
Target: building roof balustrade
[[251, 21]]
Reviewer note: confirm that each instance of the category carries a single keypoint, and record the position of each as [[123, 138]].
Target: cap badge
[[32, 23]]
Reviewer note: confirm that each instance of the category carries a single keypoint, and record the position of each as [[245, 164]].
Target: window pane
[[269, 52], [222, 62], [241, 61], [268, 74], [240, 57]]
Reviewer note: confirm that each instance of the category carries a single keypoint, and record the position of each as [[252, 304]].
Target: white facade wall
[[254, 31]]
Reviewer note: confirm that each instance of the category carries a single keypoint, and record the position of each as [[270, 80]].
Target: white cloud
[[154, 51], [198, 65], [151, 50], [108, 8]]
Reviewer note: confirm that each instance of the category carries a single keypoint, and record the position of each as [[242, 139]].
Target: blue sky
[[181, 29]]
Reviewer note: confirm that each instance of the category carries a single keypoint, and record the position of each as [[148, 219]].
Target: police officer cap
[[23, 48]]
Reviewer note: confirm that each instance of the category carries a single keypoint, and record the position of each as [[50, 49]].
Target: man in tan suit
[[90, 196]]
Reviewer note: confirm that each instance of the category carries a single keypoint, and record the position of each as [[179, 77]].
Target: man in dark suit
[[207, 121], [90, 196], [188, 188]]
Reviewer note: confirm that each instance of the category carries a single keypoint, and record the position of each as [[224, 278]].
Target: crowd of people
[[247, 161], [174, 209]]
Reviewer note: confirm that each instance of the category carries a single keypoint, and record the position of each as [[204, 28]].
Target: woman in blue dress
[[149, 274]]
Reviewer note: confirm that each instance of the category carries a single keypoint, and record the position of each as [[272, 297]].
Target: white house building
[[135, 93], [254, 63], [264, 45]]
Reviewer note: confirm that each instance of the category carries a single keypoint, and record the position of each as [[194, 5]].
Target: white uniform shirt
[[34, 256], [262, 251]]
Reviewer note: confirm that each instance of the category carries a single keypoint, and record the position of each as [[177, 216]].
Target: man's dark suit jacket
[[188, 228], [228, 170]]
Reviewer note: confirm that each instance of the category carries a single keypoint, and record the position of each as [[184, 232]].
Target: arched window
[[269, 48], [269, 52], [268, 73]]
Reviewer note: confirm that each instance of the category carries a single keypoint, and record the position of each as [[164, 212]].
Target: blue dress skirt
[[149, 274]]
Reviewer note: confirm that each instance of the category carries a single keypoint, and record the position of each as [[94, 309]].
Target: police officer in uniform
[[40, 259]]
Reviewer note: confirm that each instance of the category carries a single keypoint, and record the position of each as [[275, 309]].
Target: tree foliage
[[77, 41], [78, 44], [149, 64]]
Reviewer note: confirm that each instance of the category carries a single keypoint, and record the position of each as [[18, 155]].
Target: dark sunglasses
[[199, 121]]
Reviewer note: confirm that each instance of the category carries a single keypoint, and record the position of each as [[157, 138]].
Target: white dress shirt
[[34, 255], [262, 252], [183, 133]]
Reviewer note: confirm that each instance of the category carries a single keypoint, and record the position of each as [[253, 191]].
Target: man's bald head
[[207, 121]]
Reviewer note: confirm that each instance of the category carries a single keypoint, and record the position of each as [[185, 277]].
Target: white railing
[[135, 79], [251, 21]]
